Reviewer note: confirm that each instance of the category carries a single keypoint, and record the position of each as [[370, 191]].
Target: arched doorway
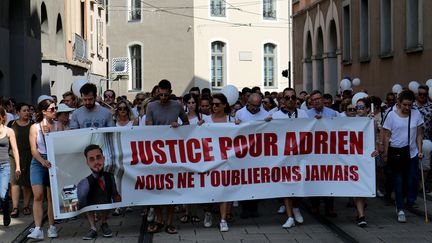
[[307, 64], [44, 28], [331, 84], [319, 63], [59, 37]]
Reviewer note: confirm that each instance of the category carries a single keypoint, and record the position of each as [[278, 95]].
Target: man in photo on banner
[[97, 188]]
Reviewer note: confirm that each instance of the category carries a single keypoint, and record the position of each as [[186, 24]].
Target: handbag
[[399, 158]]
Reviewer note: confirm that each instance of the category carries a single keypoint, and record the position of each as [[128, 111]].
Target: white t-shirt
[[141, 120], [398, 126], [281, 115], [208, 119], [245, 116]]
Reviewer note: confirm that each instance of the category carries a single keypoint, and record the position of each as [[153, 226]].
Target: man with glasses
[[319, 111], [289, 110], [251, 112], [139, 98], [90, 114], [165, 111], [425, 107]]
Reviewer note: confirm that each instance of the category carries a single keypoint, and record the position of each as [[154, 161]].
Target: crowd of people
[[402, 121]]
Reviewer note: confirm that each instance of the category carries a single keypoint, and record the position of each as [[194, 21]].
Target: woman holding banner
[[220, 114], [39, 176], [403, 138], [7, 137]]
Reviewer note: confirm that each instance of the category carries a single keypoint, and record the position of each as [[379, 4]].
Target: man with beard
[[90, 114], [97, 188]]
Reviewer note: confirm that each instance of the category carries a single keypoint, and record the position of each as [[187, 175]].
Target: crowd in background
[[402, 122]]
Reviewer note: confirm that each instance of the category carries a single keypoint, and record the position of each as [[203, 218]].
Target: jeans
[[406, 184], [4, 185]]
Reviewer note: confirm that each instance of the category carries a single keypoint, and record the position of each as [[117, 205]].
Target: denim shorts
[[38, 173], [4, 179]]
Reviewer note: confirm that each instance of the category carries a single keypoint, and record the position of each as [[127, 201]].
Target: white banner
[[218, 162]]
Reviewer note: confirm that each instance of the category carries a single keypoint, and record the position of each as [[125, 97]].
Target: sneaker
[[52, 232], [208, 220], [129, 209], [281, 209], [150, 215], [223, 226], [91, 235], [289, 223], [106, 231], [361, 221], [36, 234], [401, 217], [379, 193], [298, 216], [117, 212]]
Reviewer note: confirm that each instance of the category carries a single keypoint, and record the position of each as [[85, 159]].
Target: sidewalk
[[382, 227]]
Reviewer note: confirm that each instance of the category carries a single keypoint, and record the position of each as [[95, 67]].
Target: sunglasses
[[422, 94], [52, 109], [217, 104], [108, 96], [292, 97], [351, 109], [265, 102], [122, 109], [140, 99], [360, 107], [164, 94]]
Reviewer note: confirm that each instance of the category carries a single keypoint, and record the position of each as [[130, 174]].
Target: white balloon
[[429, 83], [357, 96], [397, 88], [356, 82], [231, 92], [345, 84], [413, 86], [427, 146], [76, 86]]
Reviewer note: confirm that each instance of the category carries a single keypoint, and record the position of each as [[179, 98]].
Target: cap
[[64, 108], [44, 97]]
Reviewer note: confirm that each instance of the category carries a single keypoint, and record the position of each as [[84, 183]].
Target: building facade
[[20, 48], [208, 44], [382, 42]]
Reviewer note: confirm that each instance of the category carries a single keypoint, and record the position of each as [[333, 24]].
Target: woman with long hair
[[21, 127], [39, 177], [191, 102], [123, 115], [402, 142], [220, 114], [7, 138]]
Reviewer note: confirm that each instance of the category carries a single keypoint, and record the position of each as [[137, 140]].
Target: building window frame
[[364, 30], [269, 65], [269, 10], [347, 32], [135, 54], [134, 11], [414, 26], [217, 9], [218, 64], [386, 28]]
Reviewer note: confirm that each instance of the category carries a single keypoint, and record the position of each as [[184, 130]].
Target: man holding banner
[[165, 112], [97, 188]]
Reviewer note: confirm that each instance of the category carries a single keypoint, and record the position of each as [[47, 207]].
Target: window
[[346, 32], [135, 10], [217, 8], [414, 18], [364, 29], [136, 72], [269, 9], [107, 11], [218, 64], [269, 64], [386, 27]]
